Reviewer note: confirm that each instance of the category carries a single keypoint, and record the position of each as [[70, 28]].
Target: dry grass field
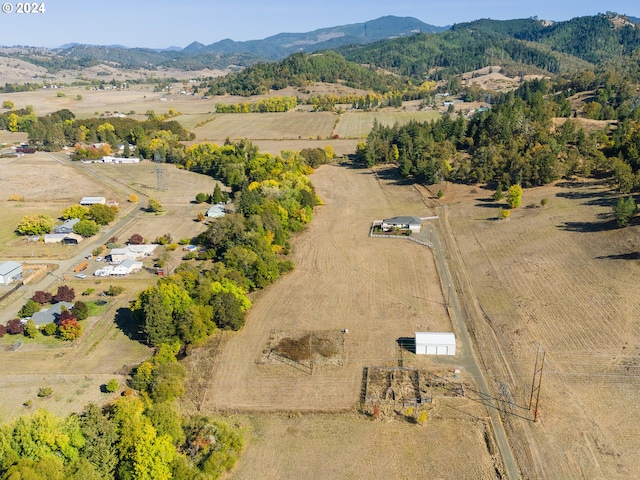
[[355, 124], [562, 277], [381, 291], [289, 125], [351, 446]]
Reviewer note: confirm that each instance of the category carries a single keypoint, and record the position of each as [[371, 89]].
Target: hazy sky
[[164, 23]]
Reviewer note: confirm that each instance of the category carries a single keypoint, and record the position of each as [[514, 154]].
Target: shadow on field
[[130, 327], [588, 227], [393, 174], [407, 343], [621, 256], [489, 203]]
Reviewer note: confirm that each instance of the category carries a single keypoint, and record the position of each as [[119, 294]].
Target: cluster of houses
[[124, 261]]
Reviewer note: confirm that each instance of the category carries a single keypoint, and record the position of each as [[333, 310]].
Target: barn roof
[[440, 338]]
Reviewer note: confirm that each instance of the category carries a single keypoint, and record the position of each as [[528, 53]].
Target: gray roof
[[51, 314], [67, 226], [7, 267], [403, 220]]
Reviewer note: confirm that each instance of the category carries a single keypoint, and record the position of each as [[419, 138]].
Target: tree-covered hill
[[524, 44], [302, 69], [595, 39]]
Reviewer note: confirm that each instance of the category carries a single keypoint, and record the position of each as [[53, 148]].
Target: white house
[[435, 343], [404, 223], [118, 255], [126, 267], [87, 201], [10, 271]]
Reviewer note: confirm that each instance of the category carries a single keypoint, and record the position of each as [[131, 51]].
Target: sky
[[166, 23]]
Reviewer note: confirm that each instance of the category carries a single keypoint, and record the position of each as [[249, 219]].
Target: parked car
[[81, 275], [98, 259]]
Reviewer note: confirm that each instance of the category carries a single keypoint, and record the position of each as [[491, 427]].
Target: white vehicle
[[98, 259], [81, 275]]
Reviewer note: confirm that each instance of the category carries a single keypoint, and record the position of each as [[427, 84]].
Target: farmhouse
[[216, 211], [126, 267], [10, 271], [51, 314], [134, 252], [66, 238], [403, 223], [92, 200], [67, 226], [435, 343]]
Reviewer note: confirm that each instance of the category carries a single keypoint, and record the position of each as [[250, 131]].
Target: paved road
[[468, 355]]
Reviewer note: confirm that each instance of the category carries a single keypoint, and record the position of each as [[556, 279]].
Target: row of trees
[[61, 128], [91, 219], [264, 105], [273, 198]]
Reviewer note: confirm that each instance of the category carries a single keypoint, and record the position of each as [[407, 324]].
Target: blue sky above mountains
[[164, 23]]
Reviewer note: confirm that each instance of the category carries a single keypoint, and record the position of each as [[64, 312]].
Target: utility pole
[[537, 378]]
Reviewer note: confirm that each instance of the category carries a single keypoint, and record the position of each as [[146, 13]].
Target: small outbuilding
[[10, 271], [88, 201], [435, 343], [402, 223], [216, 211]]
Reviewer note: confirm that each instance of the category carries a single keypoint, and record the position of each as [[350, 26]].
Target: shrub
[[30, 329], [88, 291], [440, 194], [184, 241], [42, 297], [15, 327], [45, 392], [155, 206], [69, 329], [114, 290], [29, 308], [133, 198], [543, 202], [80, 310], [64, 294], [172, 246], [15, 198], [3, 331], [136, 239], [49, 329], [112, 385], [504, 214], [189, 256], [202, 197]]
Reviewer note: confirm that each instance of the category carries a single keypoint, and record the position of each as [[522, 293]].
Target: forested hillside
[[516, 140], [302, 69], [522, 46]]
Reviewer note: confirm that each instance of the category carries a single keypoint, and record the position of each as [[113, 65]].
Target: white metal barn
[[435, 343]]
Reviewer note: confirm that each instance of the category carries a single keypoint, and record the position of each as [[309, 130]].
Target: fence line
[[402, 237]]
